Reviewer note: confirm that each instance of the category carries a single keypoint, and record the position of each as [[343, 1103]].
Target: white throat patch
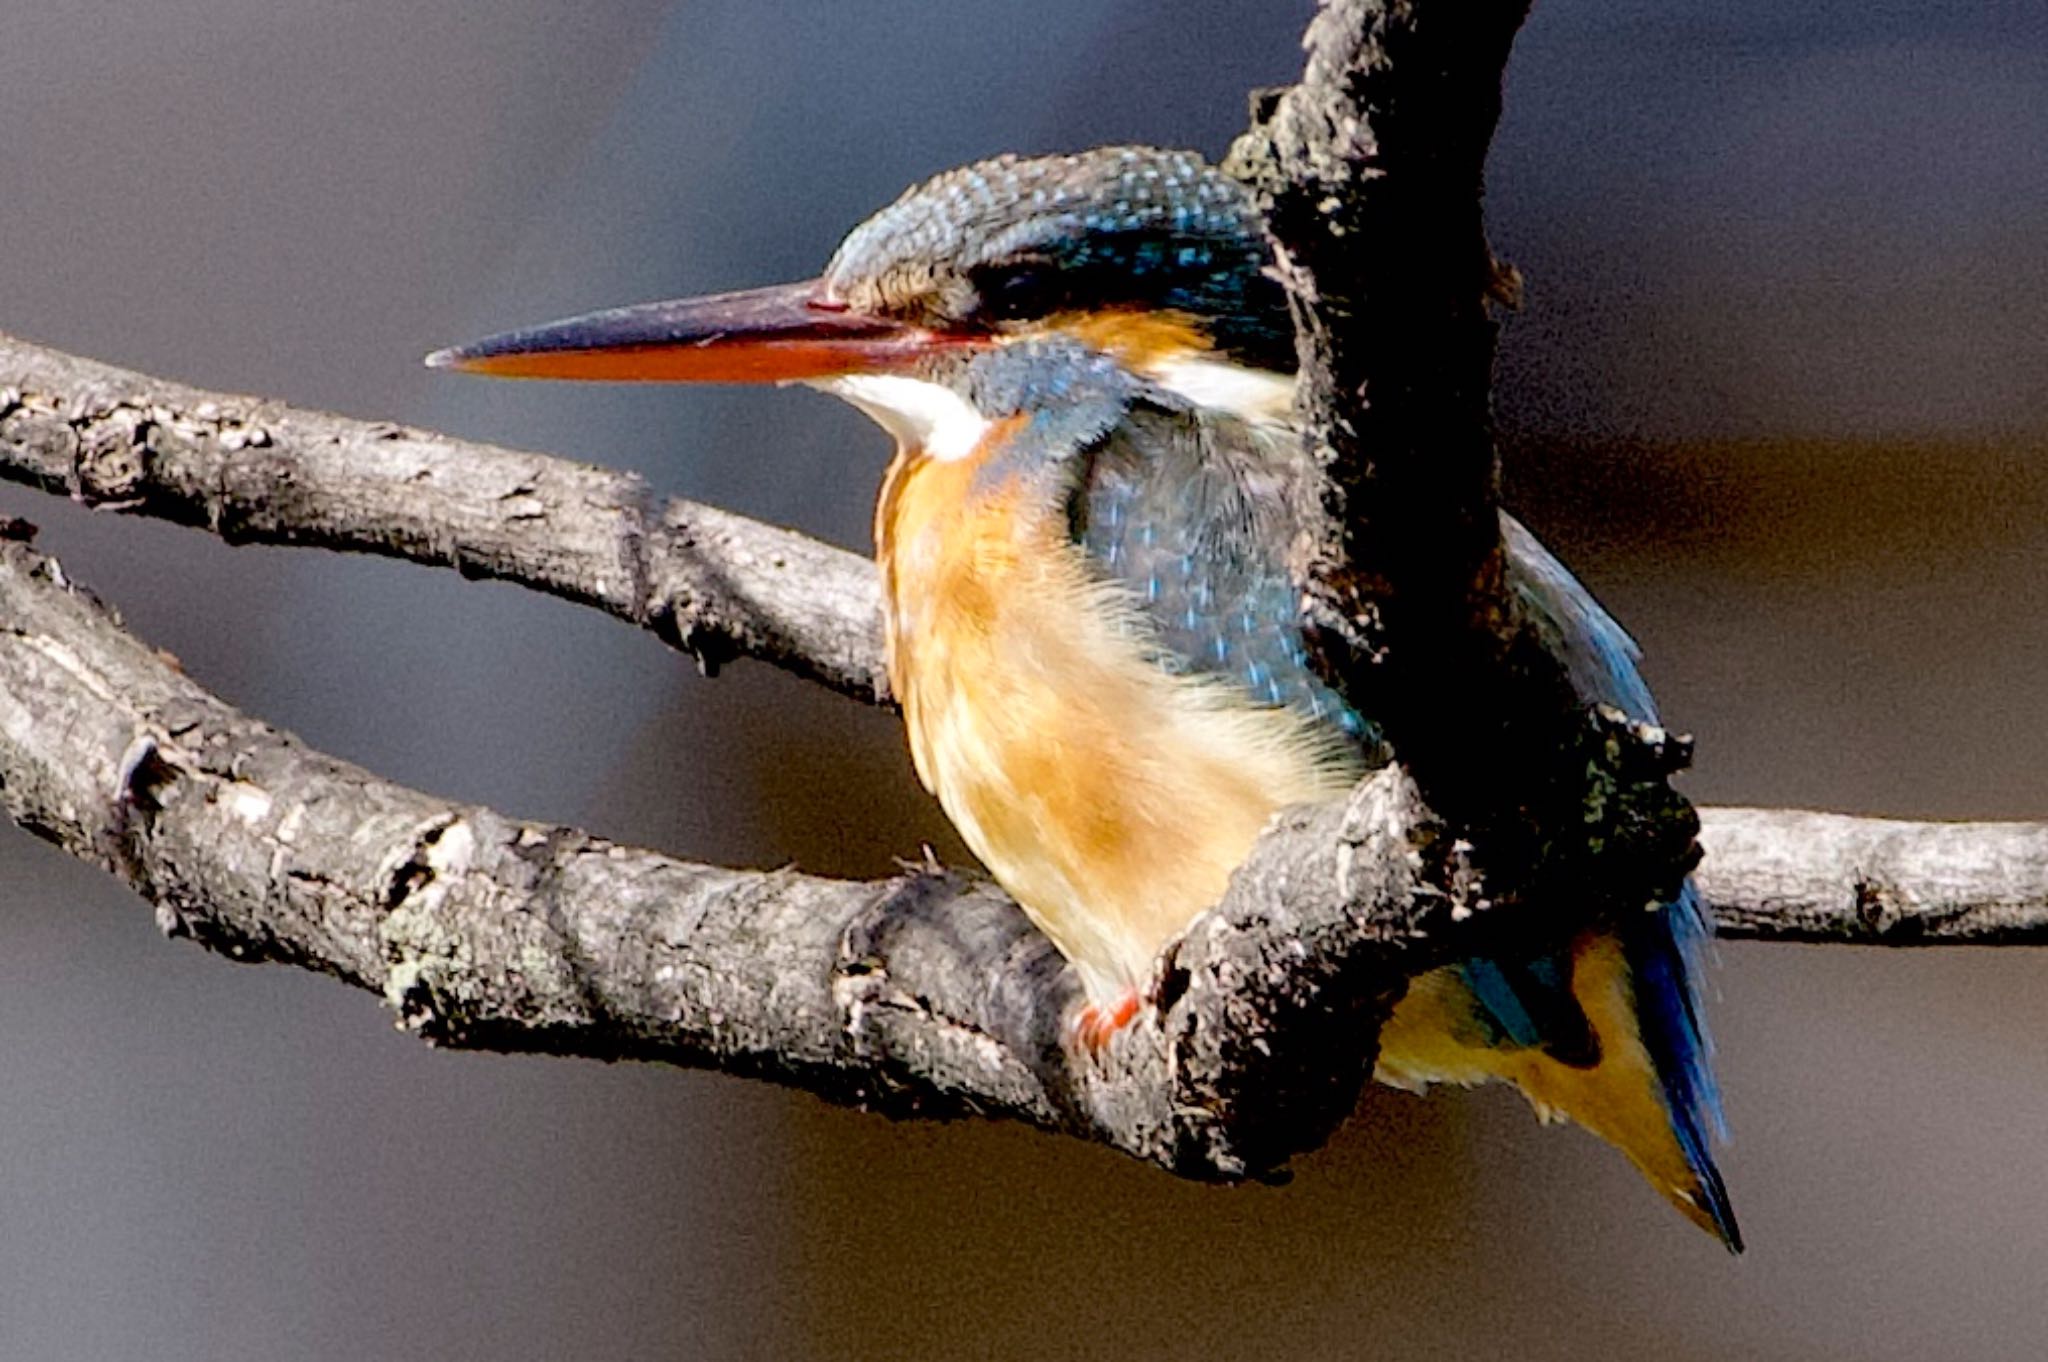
[[923, 416], [934, 419], [1258, 396]]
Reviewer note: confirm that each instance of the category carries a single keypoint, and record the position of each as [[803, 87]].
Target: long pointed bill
[[763, 335]]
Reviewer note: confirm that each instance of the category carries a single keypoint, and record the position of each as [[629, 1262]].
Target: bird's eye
[[1018, 291]]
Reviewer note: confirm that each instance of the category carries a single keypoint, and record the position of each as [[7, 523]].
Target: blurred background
[[1777, 394]]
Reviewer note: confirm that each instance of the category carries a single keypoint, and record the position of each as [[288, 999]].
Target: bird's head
[[1150, 258]]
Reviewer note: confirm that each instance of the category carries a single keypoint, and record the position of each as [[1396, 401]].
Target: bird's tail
[[1607, 1034]]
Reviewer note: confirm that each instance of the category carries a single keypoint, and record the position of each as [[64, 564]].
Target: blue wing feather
[[1188, 513], [1597, 651]]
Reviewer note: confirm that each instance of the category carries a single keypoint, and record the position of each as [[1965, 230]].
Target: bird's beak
[[763, 335]]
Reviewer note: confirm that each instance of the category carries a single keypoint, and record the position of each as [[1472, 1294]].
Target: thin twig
[[256, 472], [1791, 875]]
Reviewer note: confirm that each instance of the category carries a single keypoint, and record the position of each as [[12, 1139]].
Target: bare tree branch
[[929, 993], [1791, 875], [256, 472], [1369, 174]]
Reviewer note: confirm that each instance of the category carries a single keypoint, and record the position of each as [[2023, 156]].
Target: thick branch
[[928, 993], [1369, 173]]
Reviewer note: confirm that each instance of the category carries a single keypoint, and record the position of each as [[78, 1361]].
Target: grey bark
[[928, 993], [257, 472], [1791, 875]]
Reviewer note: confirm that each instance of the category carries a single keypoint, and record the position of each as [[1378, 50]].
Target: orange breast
[[1110, 798]]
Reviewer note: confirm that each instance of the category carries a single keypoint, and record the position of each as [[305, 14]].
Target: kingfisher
[[1091, 627]]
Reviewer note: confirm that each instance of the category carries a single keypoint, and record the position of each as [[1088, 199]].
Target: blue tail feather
[[1664, 957]]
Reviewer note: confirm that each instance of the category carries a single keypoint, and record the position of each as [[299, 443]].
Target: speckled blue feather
[[1183, 509], [1181, 519], [1113, 227]]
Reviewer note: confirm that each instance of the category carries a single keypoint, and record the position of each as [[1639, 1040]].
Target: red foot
[[1090, 1028]]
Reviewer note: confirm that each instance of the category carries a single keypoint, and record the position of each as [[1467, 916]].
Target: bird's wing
[[1597, 651], [1191, 515]]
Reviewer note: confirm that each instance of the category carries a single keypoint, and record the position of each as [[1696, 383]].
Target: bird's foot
[[1091, 1026]]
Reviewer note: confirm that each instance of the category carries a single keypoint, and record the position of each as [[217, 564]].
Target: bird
[[1089, 371]]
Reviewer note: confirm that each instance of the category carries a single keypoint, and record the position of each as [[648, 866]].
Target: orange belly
[[1111, 798]]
